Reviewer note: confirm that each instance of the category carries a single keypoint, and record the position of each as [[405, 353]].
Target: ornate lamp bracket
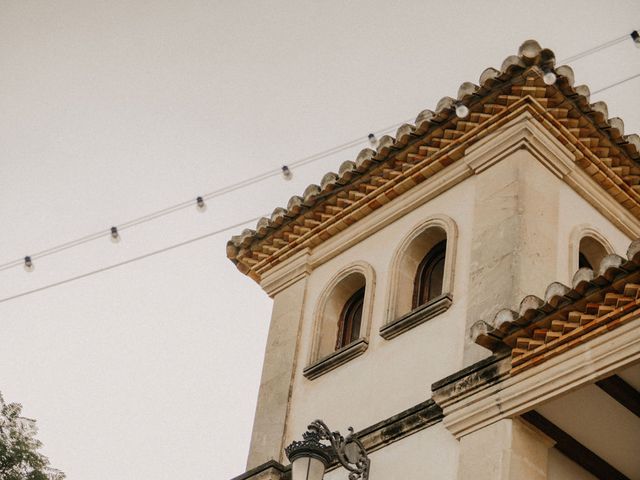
[[349, 451]]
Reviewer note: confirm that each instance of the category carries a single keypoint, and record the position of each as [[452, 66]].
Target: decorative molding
[[471, 379], [524, 130], [378, 219], [397, 427], [335, 359], [400, 426], [505, 398], [577, 234], [603, 202], [374, 437], [287, 273], [416, 317]]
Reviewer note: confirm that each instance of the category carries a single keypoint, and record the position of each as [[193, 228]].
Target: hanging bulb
[[28, 264], [549, 78], [115, 236], [373, 140], [287, 174], [201, 205], [462, 111], [635, 36]]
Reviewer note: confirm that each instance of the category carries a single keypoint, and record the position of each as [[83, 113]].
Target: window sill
[[335, 359], [416, 317]]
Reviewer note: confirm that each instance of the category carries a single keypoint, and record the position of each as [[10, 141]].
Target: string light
[[115, 236], [28, 264], [200, 204], [129, 261], [285, 170], [549, 77], [462, 111], [287, 174]]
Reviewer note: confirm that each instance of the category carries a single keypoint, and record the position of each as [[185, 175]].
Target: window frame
[[423, 278], [353, 308], [401, 312], [325, 321]]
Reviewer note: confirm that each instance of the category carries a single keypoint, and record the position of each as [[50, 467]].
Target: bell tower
[[444, 293]]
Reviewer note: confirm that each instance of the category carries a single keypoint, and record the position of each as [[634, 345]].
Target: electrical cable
[[189, 203], [595, 49], [265, 175], [129, 261], [615, 84]]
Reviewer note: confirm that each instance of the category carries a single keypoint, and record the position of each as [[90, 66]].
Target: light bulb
[[115, 236], [287, 174], [549, 78], [201, 205], [372, 139], [28, 264], [462, 111]]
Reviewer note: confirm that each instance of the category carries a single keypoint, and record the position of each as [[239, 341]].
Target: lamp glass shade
[[307, 468]]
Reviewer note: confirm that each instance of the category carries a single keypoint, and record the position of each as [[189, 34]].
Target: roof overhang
[[590, 152]]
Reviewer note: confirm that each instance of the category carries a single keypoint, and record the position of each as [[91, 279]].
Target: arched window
[[587, 248], [421, 275], [583, 262], [430, 275], [342, 319], [590, 253], [350, 320]]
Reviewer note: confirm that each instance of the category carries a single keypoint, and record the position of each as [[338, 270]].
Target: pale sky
[[113, 109]]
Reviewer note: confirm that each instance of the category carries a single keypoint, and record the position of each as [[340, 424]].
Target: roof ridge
[[531, 56]]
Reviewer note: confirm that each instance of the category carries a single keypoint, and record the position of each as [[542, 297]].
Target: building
[[467, 296]]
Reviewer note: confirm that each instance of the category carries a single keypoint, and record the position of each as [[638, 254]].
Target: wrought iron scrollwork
[[349, 451]]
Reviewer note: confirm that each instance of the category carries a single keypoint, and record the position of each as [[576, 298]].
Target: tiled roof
[[439, 138], [596, 303]]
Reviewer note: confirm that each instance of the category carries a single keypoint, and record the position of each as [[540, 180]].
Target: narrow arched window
[[583, 262], [350, 320], [430, 275], [590, 253]]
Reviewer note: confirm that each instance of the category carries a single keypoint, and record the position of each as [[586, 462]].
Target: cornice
[[437, 142], [522, 128], [584, 364], [287, 273]]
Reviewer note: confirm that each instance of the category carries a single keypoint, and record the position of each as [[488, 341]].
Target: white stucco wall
[[392, 375], [528, 214], [395, 374]]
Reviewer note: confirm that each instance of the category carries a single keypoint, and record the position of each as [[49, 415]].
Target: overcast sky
[[113, 109]]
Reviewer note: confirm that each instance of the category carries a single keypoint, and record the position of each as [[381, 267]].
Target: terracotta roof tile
[[438, 139], [596, 303]]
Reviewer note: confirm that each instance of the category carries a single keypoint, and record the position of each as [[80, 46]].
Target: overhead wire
[[128, 261], [189, 203], [595, 49], [620, 82], [265, 175]]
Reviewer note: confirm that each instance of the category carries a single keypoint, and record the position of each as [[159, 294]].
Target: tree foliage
[[19, 456]]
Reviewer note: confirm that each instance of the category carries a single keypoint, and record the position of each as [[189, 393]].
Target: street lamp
[[310, 457]]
